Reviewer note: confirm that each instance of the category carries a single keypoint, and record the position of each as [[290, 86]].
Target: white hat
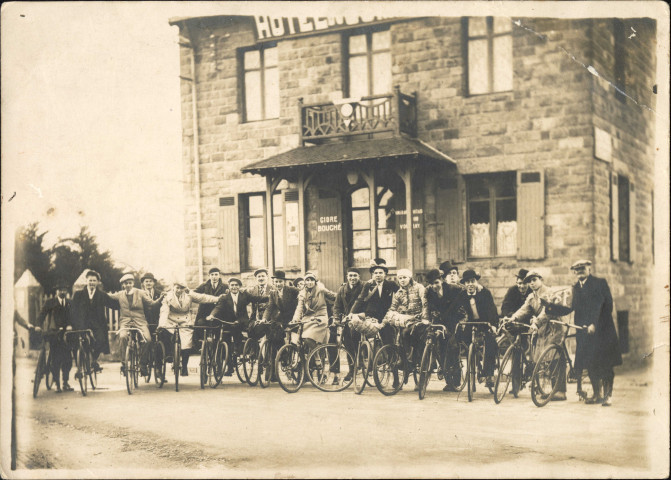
[[128, 276], [404, 272]]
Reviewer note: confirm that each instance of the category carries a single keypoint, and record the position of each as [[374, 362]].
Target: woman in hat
[[299, 283], [311, 308]]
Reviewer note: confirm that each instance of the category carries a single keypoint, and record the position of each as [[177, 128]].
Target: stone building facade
[[524, 142]]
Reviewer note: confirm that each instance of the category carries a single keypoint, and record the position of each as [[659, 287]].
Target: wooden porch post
[[407, 179], [301, 221], [269, 224]]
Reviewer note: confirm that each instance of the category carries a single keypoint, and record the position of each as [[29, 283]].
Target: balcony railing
[[395, 112]]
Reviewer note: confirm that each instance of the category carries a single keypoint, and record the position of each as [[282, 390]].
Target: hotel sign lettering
[[268, 27]]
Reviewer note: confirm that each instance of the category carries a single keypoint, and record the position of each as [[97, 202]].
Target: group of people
[[378, 304]]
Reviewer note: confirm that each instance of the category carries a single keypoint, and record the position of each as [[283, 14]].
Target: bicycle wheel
[[388, 371], [289, 368], [333, 367], [220, 363], [239, 368], [82, 372], [471, 374], [505, 375], [425, 368], [39, 371], [129, 360], [250, 361], [362, 367], [545, 380], [463, 367], [518, 366], [177, 362], [204, 356], [48, 377], [159, 364], [149, 362], [265, 364], [93, 376]]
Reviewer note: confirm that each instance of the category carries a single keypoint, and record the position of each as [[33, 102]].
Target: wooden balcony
[[395, 113]]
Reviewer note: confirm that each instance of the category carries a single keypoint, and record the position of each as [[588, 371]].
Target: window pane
[[381, 73], [381, 40], [358, 77], [360, 219], [361, 258], [479, 212], [361, 240], [253, 95], [506, 238], [360, 198], [255, 243], [357, 44], [480, 243], [255, 206], [478, 189], [292, 224], [270, 57], [506, 188], [505, 210], [252, 59], [272, 93], [278, 241], [502, 24], [503, 63], [477, 26], [389, 254], [477, 66]]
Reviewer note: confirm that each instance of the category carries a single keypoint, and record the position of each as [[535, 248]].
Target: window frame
[[245, 223], [368, 31], [242, 71], [489, 36]]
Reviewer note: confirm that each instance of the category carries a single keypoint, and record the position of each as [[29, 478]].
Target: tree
[[29, 253]]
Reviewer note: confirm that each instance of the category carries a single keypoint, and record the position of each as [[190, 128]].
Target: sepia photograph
[[358, 239]]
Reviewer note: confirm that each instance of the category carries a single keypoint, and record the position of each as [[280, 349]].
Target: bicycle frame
[[82, 358]]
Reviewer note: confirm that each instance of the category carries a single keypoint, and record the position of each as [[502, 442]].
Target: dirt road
[[240, 431]]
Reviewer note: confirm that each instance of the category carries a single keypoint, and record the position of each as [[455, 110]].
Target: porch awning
[[343, 152]]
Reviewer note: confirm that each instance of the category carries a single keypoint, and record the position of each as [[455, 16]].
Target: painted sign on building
[[268, 27]]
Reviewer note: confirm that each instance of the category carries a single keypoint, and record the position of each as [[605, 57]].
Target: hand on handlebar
[[35, 328], [591, 329]]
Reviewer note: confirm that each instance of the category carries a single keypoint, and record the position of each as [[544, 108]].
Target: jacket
[[53, 315], [513, 300], [152, 312], [371, 303], [406, 302], [134, 311], [445, 310], [345, 299], [281, 308], [204, 309], [225, 310], [176, 311], [312, 306], [258, 308], [87, 313]]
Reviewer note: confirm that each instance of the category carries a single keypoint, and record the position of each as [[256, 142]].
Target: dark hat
[[62, 284], [279, 274], [214, 270], [93, 273], [236, 280], [531, 275], [446, 266], [433, 275], [148, 276], [353, 270], [555, 309], [378, 263], [468, 274], [260, 270], [522, 273], [299, 279], [580, 264]]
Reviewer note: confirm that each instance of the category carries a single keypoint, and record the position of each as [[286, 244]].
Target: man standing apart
[[54, 318], [516, 295], [88, 312], [597, 348], [213, 286]]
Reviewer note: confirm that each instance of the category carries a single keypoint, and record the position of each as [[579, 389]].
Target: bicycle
[[430, 356], [132, 358], [266, 360], [291, 360], [45, 367], [85, 371], [332, 358], [391, 364], [176, 354], [214, 356], [515, 366], [476, 355], [551, 364], [363, 363]]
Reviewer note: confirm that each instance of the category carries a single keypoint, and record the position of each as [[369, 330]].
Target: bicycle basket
[[366, 326]]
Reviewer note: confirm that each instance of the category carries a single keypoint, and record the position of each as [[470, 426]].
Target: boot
[[596, 396], [607, 392]]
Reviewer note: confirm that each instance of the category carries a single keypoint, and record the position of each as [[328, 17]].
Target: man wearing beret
[[516, 295], [597, 348], [212, 286], [52, 320], [479, 305], [443, 306]]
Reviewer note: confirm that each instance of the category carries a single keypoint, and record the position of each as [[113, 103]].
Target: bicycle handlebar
[[570, 325], [86, 330], [225, 322]]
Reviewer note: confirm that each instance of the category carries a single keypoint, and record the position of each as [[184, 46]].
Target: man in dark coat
[[375, 298], [281, 307], [88, 312], [443, 306], [597, 348], [480, 307], [151, 313], [516, 295], [212, 286], [345, 298], [261, 289], [52, 320]]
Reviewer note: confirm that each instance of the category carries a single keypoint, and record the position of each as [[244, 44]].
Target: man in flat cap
[[212, 286], [52, 320], [516, 295], [148, 282], [597, 348], [282, 303], [261, 289]]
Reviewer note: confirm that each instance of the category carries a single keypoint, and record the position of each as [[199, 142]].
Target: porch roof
[[343, 152]]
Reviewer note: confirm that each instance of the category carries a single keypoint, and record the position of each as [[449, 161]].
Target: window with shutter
[[291, 226], [450, 221], [228, 239], [632, 223], [531, 215], [614, 219]]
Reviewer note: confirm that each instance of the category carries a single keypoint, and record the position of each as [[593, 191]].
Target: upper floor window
[[261, 83], [368, 63], [492, 216], [490, 54]]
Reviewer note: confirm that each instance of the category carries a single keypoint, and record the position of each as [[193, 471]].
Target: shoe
[[123, 370], [416, 389], [58, 390], [593, 399], [449, 388], [606, 402], [67, 387], [184, 372], [336, 381], [97, 368], [143, 371], [348, 379], [490, 382], [558, 397]]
